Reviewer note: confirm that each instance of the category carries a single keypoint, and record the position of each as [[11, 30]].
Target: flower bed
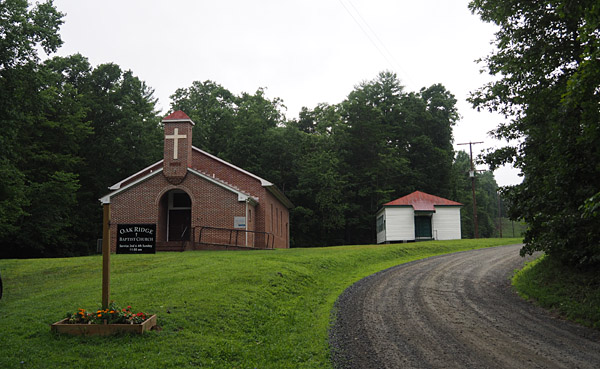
[[105, 322]]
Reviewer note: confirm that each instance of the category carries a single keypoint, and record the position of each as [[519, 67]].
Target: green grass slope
[[254, 309], [572, 293]]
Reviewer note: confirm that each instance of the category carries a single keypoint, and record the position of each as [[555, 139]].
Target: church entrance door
[[179, 219], [179, 225]]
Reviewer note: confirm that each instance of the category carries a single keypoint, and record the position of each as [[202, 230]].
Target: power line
[[392, 63], [366, 33], [394, 60]]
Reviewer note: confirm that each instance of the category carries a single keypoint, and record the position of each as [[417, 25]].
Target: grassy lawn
[[573, 294], [245, 309], [511, 229]]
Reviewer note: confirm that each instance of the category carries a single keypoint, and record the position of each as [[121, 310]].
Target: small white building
[[418, 216]]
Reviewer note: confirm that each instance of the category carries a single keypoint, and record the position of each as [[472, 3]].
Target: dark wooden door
[[179, 225], [423, 227]]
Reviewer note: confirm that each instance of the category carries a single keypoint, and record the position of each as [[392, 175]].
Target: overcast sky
[[304, 52]]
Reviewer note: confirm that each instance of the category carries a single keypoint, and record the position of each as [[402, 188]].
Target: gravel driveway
[[454, 311]]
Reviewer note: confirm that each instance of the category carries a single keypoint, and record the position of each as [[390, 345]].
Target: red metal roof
[[421, 201], [177, 115]]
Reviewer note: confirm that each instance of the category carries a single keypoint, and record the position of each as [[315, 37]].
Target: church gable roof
[[263, 181], [242, 196], [153, 167], [421, 201], [269, 186], [157, 167]]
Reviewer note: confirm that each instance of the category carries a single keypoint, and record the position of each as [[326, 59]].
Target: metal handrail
[[183, 240], [183, 233], [270, 237]]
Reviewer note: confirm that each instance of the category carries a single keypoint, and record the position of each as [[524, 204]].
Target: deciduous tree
[[212, 108], [547, 68]]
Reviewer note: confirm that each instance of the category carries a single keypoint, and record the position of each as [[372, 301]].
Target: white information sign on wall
[[239, 222]]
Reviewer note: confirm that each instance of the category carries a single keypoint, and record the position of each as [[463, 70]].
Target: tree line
[[338, 163], [70, 130]]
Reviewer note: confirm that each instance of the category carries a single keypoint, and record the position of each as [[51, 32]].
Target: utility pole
[[499, 213], [472, 175]]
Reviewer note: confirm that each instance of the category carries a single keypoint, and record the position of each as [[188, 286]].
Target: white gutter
[[116, 186], [241, 196]]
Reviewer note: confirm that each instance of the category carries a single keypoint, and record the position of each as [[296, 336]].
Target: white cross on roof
[[175, 137]]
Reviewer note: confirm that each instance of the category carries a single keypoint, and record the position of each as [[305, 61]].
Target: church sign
[[136, 238]]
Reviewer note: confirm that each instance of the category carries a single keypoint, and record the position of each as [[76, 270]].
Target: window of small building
[[380, 224]]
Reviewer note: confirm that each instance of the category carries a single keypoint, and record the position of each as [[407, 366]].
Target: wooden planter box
[[102, 329]]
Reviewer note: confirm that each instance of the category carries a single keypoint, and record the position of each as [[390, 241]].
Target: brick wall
[[266, 219], [212, 205]]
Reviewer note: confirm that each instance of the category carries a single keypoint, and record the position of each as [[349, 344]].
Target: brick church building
[[195, 200]]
